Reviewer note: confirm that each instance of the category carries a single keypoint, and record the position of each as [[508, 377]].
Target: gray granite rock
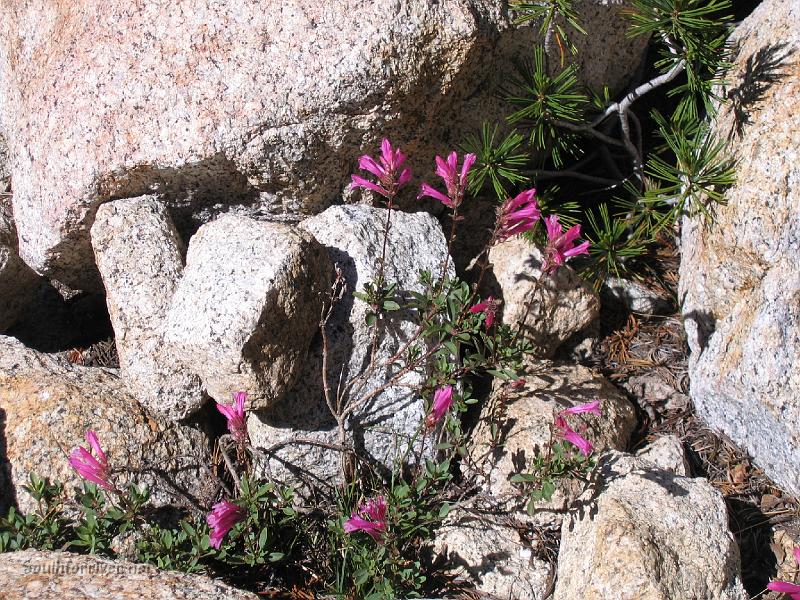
[[634, 296], [245, 102], [740, 275], [247, 307], [382, 425], [647, 534], [139, 255], [548, 309]]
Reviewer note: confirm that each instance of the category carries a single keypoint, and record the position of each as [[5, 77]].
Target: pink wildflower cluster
[[442, 401], [455, 180], [369, 518], [566, 432], [516, 215], [222, 519], [560, 244], [792, 589], [387, 169], [90, 468], [237, 425]]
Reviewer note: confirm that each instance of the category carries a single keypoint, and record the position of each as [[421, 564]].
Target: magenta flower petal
[[237, 421], [797, 555], [560, 245], [369, 518], [90, 468], [786, 588], [427, 190], [588, 407], [442, 401], [91, 437], [518, 215], [360, 182], [222, 519], [469, 160], [488, 307], [566, 432], [404, 178], [367, 163]]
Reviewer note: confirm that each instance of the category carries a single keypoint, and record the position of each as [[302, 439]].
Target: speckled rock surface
[[740, 276], [247, 307], [18, 282], [264, 104], [548, 308], [524, 415], [47, 405], [634, 296], [647, 534], [353, 237], [490, 553], [666, 452], [64, 576], [139, 256]]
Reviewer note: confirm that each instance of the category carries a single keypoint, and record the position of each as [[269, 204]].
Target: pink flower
[[560, 245], [370, 518], [518, 215], [488, 307], [569, 434], [589, 407], [454, 181], [565, 431], [91, 468], [235, 414], [442, 401], [221, 520], [386, 169], [784, 586]]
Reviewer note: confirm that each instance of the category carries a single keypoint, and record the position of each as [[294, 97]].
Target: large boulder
[[47, 405], [140, 258], [248, 305], [380, 426], [66, 576], [644, 533], [547, 309], [740, 274], [263, 104]]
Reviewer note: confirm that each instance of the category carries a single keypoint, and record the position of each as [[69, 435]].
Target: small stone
[[547, 308], [666, 453], [633, 296]]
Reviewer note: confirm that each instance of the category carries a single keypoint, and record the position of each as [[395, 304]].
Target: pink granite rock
[[248, 102]]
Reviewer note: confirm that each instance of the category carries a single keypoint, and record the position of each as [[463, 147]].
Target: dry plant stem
[[223, 440]]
